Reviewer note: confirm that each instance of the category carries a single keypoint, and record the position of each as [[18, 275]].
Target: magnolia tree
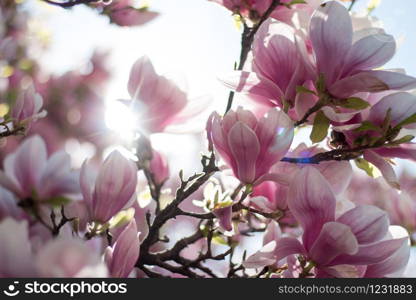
[[261, 205]]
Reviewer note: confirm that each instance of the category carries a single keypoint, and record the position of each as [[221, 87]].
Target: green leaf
[[293, 2], [407, 121], [58, 201], [354, 103], [320, 127], [303, 90], [365, 165], [367, 125], [405, 139], [219, 239], [297, 2]]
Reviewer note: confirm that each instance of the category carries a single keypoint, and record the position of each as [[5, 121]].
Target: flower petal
[[401, 105], [369, 223], [371, 254], [392, 265], [245, 147], [247, 82], [370, 52], [334, 239], [385, 168], [312, 202], [331, 35]]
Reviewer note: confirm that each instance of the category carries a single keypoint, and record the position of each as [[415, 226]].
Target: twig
[[337, 155], [352, 4], [184, 191], [10, 132], [70, 3]]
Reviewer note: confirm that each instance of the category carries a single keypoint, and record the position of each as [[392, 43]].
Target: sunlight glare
[[120, 119]]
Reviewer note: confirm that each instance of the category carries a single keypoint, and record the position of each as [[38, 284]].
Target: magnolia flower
[[400, 108], [278, 66], [336, 247], [8, 207], [219, 202], [16, 258], [248, 145], [159, 167], [123, 13], [112, 189], [254, 9], [271, 196], [29, 173], [69, 258], [28, 108], [347, 59], [122, 256], [158, 101]]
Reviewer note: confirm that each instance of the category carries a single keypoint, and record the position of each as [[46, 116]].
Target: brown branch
[[310, 111], [56, 227], [352, 4], [70, 3], [184, 191], [10, 132], [336, 155]]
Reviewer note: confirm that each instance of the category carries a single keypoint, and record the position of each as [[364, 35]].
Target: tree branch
[[337, 155], [70, 3]]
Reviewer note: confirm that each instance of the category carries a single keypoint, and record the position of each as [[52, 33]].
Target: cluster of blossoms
[[309, 65]]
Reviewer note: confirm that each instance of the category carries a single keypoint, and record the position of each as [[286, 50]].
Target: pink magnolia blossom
[[159, 167], [337, 247], [122, 256], [347, 60], [248, 8], [251, 146], [16, 257], [123, 13], [29, 173], [113, 188], [69, 257], [254, 9], [401, 106], [271, 196], [28, 108], [158, 101], [278, 66]]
